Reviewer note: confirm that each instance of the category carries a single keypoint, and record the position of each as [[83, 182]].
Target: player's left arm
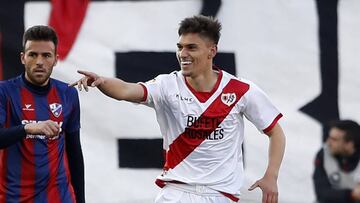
[[268, 183], [76, 164], [73, 146]]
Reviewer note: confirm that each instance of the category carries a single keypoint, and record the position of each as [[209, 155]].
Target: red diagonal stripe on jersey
[[27, 181], [216, 112], [53, 151], [66, 18]]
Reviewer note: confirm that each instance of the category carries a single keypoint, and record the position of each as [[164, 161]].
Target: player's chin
[[41, 80], [185, 71]]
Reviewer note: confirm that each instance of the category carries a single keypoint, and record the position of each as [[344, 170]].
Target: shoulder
[[64, 87], [58, 83], [240, 81], [14, 80], [9, 84], [170, 76], [3, 84], [319, 158], [165, 78], [254, 89], [234, 84]]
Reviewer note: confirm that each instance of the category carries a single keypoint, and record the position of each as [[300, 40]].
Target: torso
[[36, 168], [203, 139]]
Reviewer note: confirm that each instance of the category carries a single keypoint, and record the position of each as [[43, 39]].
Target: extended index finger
[[86, 73]]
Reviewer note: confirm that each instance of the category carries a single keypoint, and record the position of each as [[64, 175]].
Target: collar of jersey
[[43, 90], [204, 96]]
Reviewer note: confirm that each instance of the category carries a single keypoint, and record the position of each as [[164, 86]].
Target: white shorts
[[182, 193]]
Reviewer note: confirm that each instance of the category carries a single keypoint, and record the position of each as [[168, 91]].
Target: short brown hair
[[351, 129], [205, 26], [40, 33]]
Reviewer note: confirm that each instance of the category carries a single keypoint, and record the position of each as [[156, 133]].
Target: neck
[[204, 82], [36, 88]]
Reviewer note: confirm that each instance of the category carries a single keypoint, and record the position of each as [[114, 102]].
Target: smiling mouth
[[185, 63]]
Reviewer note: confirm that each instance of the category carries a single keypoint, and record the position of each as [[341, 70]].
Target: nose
[[183, 53], [39, 60]]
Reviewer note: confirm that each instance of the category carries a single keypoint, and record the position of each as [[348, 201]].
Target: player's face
[[336, 142], [39, 58], [195, 54]]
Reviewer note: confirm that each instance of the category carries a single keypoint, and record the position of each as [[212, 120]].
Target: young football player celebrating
[[200, 110]]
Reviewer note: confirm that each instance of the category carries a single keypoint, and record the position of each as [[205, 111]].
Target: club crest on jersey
[[228, 98], [56, 109]]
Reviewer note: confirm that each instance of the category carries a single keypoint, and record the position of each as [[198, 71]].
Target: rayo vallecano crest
[[228, 98], [56, 109]]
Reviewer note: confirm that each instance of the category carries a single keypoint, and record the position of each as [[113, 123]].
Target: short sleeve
[[154, 91], [259, 110]]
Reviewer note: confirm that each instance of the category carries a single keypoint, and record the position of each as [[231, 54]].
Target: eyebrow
[[45, 52], [186, 45]]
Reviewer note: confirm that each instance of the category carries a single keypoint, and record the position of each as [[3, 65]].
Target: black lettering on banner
[[324, 108], [143, 66], [11, 32], [140, 153]]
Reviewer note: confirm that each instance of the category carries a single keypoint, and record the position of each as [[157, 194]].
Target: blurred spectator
[[337, 169]]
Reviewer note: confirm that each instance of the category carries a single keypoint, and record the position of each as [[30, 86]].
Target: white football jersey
[[202, 140]]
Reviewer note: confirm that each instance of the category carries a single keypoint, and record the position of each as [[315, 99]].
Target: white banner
[[275, 43]]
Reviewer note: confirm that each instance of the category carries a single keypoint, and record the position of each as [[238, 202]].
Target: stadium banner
[[303, 54]]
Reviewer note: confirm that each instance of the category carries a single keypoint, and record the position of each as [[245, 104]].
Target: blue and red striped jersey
[[36, 169]]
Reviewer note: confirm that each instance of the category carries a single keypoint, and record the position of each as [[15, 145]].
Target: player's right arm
[[112, 87], [12, 135]]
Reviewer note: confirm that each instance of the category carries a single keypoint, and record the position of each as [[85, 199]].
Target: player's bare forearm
[[121, 90], [268, 183], [276, 150], [112, 87]]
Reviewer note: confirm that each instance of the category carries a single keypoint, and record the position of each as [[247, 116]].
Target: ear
[[56, 59], [213, 51], [22, 57]]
